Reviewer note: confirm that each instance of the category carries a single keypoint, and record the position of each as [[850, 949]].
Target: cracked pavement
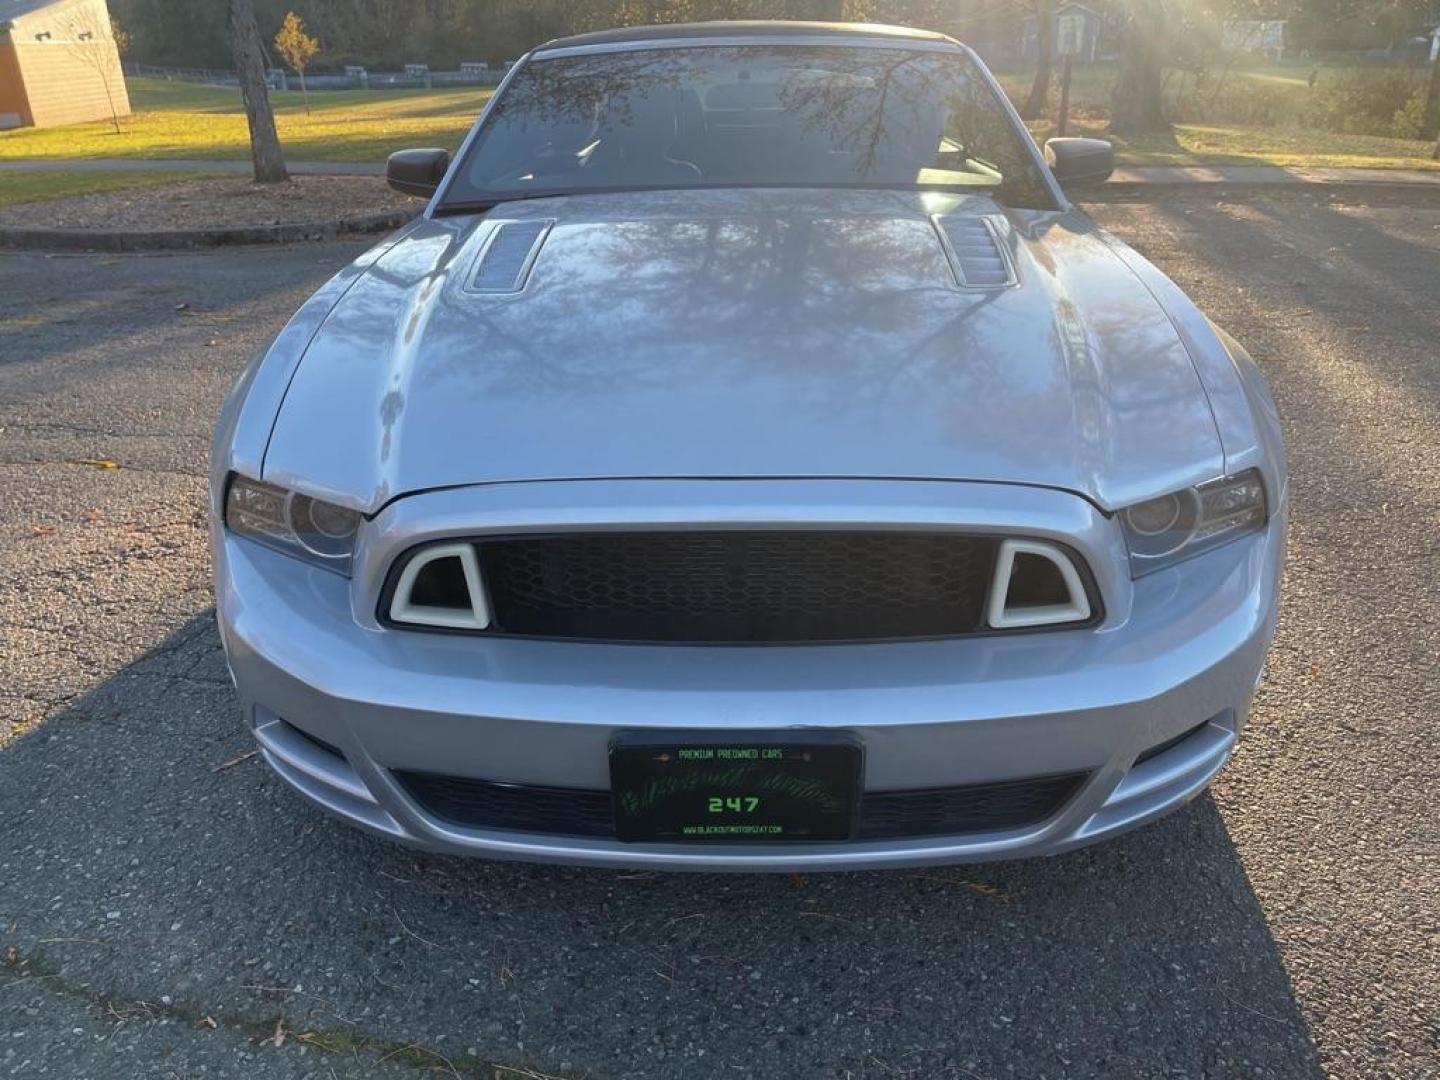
[[168, 909]]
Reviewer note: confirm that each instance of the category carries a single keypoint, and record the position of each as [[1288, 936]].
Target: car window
[[773, 115]]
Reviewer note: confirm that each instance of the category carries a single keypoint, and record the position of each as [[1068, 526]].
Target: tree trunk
[[1138, 107], [304, 93], [1432, 98], [250, 66], [1044, 60]]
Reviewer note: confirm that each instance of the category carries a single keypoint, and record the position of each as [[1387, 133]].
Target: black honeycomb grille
[[730, 587], [484, 804], [1006, 804], [953, 811]]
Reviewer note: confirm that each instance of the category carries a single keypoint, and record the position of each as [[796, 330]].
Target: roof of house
[[742, 28]]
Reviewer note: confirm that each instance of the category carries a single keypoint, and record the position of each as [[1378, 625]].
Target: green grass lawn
[[44, 185], [183, 120], [1198, 144], [1223, 143], [1091, 84]]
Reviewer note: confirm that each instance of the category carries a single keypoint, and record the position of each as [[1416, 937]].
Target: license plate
[[723, 788]]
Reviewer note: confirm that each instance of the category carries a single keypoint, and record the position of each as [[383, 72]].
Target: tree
[[98, 43], [1044, 59], [1137, 107], [298, 48], [1432, 92], [250, 66], [121, 37]]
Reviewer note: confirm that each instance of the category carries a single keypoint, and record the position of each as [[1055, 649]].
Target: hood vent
[[509, 253], [976, 254]]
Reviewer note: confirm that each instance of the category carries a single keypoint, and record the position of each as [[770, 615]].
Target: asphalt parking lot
[[167, 909]]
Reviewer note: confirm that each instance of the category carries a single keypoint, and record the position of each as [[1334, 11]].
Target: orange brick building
[[58, 64]]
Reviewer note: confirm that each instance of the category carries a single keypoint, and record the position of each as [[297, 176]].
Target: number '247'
[[737, 804]]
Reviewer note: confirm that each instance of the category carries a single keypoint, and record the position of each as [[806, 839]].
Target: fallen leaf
[[93, 516], [11, 956], [206, 1022], [99, 463], [44, 530], [279, 1039]]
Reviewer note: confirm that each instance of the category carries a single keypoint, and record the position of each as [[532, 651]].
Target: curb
[[180, 239], [1140, 190], [1131, 178], [47, 239]]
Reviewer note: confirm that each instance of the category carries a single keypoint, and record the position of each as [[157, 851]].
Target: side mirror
[[417, 172], [1080, 162]]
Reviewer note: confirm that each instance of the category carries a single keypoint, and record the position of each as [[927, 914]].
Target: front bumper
[[1178, 651]]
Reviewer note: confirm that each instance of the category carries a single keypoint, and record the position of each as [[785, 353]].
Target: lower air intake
[[952, 811]]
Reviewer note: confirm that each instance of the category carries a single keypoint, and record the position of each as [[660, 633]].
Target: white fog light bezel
[[404, 609], [999, 613]]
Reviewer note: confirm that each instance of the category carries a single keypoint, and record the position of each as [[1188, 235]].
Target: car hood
[[747, 334]]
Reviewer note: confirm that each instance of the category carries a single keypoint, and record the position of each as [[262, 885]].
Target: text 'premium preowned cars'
[[750, 460]]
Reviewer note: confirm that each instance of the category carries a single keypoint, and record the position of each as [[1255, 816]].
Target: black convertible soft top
[[742, 28]]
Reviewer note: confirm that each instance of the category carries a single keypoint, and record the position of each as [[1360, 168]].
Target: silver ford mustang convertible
[[749, 460]]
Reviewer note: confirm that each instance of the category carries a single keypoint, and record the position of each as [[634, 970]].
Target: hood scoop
[[504, 263], [976, 253]]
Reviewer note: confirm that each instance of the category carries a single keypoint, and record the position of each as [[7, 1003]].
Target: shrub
[[1409, 120], [1363, 102], [1239, 100]]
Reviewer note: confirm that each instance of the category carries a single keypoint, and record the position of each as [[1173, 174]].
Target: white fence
[[414, 77]]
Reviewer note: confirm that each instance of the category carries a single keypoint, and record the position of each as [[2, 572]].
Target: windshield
[[750, 116]]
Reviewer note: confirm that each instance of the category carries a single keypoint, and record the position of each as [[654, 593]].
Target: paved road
[[166, 908]]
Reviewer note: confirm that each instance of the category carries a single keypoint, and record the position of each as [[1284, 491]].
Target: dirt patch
[[230, 202]]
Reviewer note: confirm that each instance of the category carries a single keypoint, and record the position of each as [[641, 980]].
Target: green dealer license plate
[[721, 787]]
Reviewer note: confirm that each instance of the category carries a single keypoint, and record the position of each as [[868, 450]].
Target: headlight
[[316, 531], [1160, 532]]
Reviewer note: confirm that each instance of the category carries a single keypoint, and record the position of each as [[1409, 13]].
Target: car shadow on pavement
[[147, 855]]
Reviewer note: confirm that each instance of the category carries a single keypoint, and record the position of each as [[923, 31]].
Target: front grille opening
[[737, 587], [972, 808], [441, 584], [1035, 582]]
